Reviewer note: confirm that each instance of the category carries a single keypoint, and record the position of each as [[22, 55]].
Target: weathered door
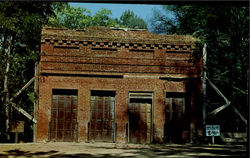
[[63, 125], [139, 129], [102, 117], [175, 109]]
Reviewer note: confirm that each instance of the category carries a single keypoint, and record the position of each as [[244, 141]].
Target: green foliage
[[101, 18], [130, 20], [70, 17], [77, 18], [225, 29], [20, 30]]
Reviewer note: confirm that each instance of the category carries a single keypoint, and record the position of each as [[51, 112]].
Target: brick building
[[118, 85]]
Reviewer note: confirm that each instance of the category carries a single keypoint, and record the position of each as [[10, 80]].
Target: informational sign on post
[[212, 131], [16, 127]]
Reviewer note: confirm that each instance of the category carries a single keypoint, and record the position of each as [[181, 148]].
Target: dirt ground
[[107, 150]]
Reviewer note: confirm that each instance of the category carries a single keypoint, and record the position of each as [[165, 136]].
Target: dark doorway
[[63, 125], [102, 116], [176, 125], [140, 116]]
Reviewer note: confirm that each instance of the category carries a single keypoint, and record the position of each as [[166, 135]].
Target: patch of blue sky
[[144, 11]]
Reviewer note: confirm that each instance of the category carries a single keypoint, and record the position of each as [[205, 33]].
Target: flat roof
[[115, 34]]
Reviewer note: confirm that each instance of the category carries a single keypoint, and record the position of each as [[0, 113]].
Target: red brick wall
[[122, 88], [140, 63]]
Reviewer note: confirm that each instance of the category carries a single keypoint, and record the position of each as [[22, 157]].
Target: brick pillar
[[121, 115]]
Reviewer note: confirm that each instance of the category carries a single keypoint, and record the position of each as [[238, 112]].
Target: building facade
[[118, 85]]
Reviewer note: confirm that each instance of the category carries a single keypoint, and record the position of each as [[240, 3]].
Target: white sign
[[212, 130]]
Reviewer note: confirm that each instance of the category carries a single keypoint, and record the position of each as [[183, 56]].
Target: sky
[[144, 11]]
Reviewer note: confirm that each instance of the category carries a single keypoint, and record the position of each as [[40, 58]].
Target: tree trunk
[[6, 90]]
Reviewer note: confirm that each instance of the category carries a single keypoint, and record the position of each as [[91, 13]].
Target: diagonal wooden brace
[[23, 112], [22, 89], [219, 109], [220, 94], [228, 103], [19, 109], [238, 113], [218, 91]]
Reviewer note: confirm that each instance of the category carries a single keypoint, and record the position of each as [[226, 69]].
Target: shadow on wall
[[194, 88], [189, 127], [176, 128]]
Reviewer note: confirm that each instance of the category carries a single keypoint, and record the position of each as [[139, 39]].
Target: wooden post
[[16, 137], [204, 86], [35, 113], [212, 139]]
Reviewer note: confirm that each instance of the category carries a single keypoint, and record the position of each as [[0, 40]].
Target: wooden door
[[102, 118], [139, 122], [63, 125], [175, 109]]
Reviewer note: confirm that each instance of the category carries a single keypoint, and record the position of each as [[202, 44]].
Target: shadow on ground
[[50, 154], [173, 151]]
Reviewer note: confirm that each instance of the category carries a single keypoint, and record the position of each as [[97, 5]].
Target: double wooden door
[[140, 116], [102, 119], [63, 125], [175, 123], [139, 122]]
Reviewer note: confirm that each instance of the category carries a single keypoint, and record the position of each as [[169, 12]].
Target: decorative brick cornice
[[106, 44], [102, 37]]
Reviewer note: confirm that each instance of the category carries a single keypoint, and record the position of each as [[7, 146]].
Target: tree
[[20, 30], [101, 18], [225, 29], [77, 18], [130, 20], [70, 17]]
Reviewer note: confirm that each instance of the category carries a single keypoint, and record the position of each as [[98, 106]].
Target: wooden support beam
[[36, 91], [219, 109], [238, 113], [22, 89], [218, 91], [204, 85], [234, 87], [228, 103], [243, 92], [23, 112], [225, 99]]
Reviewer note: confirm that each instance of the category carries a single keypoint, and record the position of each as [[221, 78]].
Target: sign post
[[16, 127], [212, 131]]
